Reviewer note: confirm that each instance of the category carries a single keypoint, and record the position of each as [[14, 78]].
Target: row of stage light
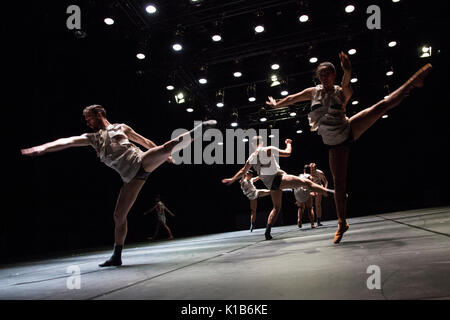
[[180, 98]]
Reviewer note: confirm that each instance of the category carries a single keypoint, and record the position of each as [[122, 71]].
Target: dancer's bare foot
[[418, 78]]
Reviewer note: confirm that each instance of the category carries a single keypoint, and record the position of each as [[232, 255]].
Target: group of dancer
[[114, 147], [303, 196]]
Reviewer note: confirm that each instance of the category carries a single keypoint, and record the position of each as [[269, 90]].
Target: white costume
[[249, 190], [327, 116], [160, 212], [266, 167], [116, 151], [302, 194]]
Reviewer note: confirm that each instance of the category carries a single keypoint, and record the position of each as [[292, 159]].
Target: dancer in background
[[266, 166], [303, 199], [249, 190], [161, 210], [318, 177]]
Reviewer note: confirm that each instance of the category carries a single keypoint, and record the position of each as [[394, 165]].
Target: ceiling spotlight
[[351, 51], [350, 8], [275, 66], [258, 22], [263, 119], [220, 98], [313, 60], [395, 1], [140, 56], [177, 47], [237, 74], [389, 73], [293, 114], [385, 116], [284, 93], [234, 124], [170, 87], [303, 18], [150, 9], [355, 102], [259, 28], [216, 37], [251, 93], [190, 110], [426, 51], [179, 98], [387, 91], [275, 81], [202, 81], [109, 21], [354, 80], [299, 131], [392, 44]]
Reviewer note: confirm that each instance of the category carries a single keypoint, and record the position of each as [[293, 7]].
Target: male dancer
[[113, 147]]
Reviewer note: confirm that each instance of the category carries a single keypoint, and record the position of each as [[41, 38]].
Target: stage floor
[[410, 248]]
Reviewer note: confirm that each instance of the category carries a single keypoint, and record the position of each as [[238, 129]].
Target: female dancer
[[327, 117]]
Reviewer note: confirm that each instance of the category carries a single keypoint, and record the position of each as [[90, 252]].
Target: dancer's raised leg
[[156, 156], [364, 119]]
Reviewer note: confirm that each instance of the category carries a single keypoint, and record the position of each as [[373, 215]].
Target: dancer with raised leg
[[327, 117], [113, 147], [266, 166], [249, 190]]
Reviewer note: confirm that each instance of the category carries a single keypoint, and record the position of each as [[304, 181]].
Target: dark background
[[64, 201]]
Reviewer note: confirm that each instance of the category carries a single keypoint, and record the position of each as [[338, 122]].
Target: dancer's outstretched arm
[[304, 95], [57, 145], [285, 153], [167, 209], [136, 137], [239, 174], [345, 83]]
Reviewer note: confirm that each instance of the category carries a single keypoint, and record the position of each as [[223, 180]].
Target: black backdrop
[[64, 201]]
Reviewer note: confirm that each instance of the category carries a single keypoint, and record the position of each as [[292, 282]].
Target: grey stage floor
[[411, 249]]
